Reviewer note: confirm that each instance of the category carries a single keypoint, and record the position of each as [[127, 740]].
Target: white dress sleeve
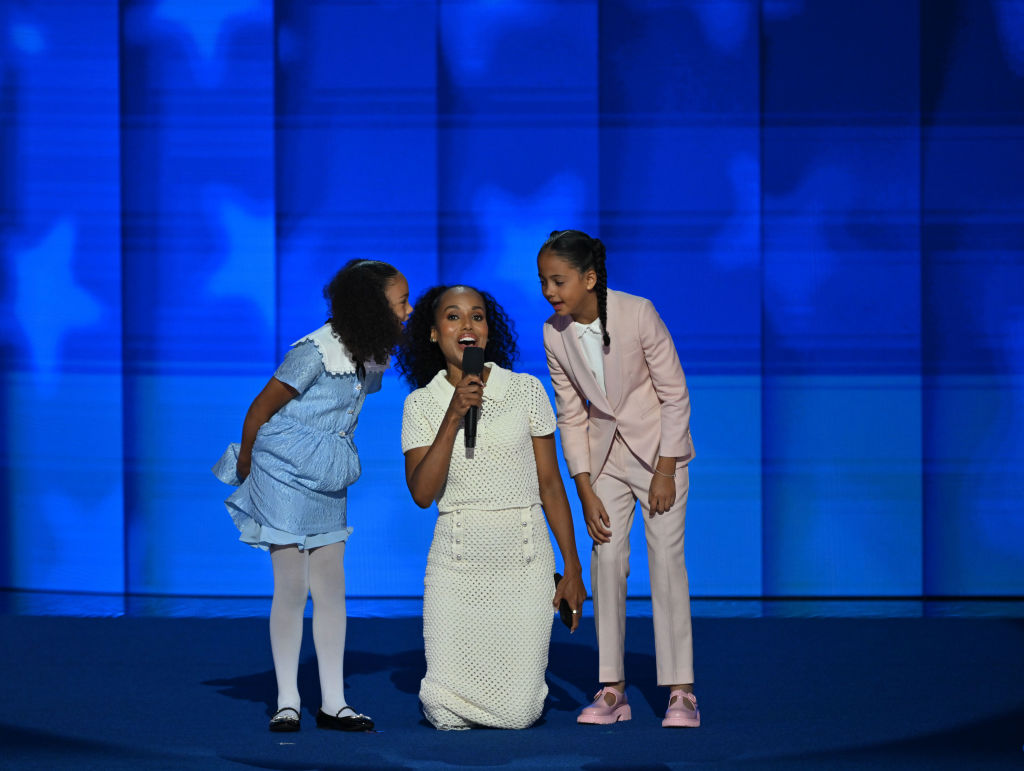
[[542, 417], [416, 429]]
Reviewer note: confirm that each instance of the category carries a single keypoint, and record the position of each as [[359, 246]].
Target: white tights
[[319, 571]]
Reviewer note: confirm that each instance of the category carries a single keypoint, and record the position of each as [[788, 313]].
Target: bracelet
[[670, 476]]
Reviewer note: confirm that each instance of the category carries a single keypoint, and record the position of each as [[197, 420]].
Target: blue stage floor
[[132, 692]]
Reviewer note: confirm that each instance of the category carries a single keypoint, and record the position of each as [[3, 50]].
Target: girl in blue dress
[[293, 467]]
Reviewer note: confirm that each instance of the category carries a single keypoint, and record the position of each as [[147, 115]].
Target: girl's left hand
[[571, 589], [662, 494]]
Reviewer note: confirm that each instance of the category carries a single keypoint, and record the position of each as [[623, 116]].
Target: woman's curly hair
[[360, 313], [419, 360]]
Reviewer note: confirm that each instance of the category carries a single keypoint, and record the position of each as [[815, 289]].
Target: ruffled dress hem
[[265, 536]]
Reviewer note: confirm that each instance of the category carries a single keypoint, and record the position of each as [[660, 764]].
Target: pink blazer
[[646, 403]]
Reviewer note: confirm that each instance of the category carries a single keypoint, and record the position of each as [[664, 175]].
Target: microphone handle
[[469, 435]]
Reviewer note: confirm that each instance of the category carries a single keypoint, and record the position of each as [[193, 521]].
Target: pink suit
[[617, 435]]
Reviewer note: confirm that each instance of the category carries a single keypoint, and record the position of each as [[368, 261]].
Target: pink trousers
[[623, 481]]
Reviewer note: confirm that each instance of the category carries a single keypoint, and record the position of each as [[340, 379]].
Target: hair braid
[[584, 253], [601, 287]]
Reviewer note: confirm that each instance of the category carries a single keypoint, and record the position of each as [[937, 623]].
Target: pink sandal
[[678, 716], [600, 712]]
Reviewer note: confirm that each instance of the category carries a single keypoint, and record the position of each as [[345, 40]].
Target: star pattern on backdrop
[[48, 302], [204, 20], [248, 269]]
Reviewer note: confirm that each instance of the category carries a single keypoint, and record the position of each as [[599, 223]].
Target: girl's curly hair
[[360, 313], [419, 360]]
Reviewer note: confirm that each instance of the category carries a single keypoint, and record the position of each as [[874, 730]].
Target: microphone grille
[[473, 361]]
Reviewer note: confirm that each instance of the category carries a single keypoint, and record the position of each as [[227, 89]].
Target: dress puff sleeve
[[542, 417], [416, 429], [301, 366]]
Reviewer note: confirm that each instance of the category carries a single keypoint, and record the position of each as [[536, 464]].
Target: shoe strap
[[620, 698], [685, 694], [354, 713], [277, 715]]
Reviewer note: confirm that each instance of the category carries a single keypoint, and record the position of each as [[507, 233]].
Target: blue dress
[[304, 458]]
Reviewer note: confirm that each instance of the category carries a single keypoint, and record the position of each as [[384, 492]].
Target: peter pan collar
[[494, 389], [336, 358]]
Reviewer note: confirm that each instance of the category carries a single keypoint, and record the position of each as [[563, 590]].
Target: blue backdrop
[[824, 201]]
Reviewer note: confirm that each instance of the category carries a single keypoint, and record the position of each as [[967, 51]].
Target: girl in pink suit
[[624, 421]]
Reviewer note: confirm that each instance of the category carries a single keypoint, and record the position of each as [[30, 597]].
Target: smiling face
[[460, 322], [570, 292], [397, 292]]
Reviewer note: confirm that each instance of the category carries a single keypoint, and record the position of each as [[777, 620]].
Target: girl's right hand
[[468, 393], [598, 523], [243, 467]]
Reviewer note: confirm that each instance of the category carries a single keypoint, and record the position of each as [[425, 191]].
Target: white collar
[[594, 327], [336, 358], [494, 389]]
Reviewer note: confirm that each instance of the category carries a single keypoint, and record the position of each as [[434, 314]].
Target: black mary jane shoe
[[353, 721], [282, 722]]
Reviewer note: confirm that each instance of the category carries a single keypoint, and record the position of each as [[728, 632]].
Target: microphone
[[472, 364]]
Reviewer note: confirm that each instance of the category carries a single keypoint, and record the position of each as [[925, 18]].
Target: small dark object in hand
[[564, 611]]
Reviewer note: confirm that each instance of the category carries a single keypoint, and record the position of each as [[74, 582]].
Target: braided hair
[[360, 314], [419, 360], [584, 253]]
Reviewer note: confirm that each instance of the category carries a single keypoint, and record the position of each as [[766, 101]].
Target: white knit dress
[[489, 582]]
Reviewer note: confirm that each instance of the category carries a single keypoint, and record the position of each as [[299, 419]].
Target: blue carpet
[[180, 693]]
